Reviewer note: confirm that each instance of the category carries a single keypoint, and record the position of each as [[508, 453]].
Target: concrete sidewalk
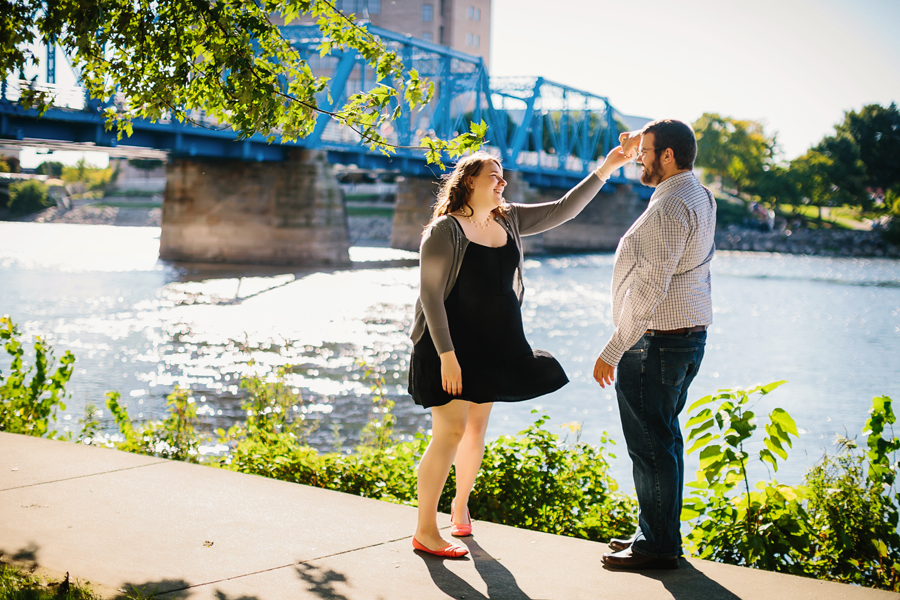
[[121, 520]]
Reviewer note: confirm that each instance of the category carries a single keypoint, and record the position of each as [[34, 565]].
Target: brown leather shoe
[[618, 545], [633, 561]]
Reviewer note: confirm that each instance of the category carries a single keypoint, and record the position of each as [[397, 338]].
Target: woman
[[469, 345]]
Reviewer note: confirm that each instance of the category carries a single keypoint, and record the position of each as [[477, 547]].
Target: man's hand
[[451, 373], [603, 373], [630, 140]]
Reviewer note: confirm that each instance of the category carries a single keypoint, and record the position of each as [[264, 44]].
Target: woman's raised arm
[[537, 218]]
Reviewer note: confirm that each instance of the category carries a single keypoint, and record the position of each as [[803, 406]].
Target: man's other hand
[[603, 373]]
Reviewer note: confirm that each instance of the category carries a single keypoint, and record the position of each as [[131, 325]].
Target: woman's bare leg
[[468, 458], [448, 425]]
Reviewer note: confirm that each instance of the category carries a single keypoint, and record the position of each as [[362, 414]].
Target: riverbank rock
[[90, 214], [819, 242], [370, 229]]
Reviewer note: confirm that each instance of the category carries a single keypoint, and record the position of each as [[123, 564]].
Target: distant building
[[463, 25]]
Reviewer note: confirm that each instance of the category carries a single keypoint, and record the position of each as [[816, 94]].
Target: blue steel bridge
[[549, 132]]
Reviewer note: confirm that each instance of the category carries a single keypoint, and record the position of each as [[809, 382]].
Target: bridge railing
[[550, 131]]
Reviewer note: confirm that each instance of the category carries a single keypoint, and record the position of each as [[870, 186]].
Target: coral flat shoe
[[448, 551], [457, 530]]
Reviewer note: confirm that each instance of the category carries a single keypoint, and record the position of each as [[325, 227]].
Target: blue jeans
[[652, 381]]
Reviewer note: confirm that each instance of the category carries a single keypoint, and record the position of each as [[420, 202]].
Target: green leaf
[[703, 415], [767, 456], [772, 386], [701, 402], [701, 442], [784, 419], [774, 445]]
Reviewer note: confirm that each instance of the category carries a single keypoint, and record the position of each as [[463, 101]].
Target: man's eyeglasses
[[641, 153]]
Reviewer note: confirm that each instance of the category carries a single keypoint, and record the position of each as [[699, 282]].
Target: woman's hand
[[615, 160], [451, 374], [630, 140]]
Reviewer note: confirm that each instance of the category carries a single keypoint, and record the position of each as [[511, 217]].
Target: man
[[661, 308]]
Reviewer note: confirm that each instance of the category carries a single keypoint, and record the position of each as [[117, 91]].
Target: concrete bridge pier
[[415, 202], [286, 213]]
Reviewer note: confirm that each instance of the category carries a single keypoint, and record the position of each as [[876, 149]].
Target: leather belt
[[681, 331]]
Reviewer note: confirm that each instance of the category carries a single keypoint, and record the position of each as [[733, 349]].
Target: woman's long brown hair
[[454, 193]]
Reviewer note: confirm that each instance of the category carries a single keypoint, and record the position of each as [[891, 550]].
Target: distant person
[[469, 344], [662, 306]]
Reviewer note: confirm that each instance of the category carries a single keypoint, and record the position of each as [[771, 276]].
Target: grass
[[16, 584], [842, 217]]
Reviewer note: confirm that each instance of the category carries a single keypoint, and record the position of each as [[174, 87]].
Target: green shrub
[[30, 407], [765, 528], [853, 508], [29, 196], [538, 481], [841, 524], [93, 178]]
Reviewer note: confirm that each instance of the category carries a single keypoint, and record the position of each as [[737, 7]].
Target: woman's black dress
[[485, 322]]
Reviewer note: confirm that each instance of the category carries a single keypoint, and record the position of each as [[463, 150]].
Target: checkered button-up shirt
[[661, 273]]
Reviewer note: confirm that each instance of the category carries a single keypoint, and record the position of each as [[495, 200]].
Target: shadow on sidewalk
[[687, 582], [500, 582], [164, 588], [321, 581], [27, 555]]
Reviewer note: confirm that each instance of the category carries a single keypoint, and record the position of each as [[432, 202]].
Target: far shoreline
[[375, 230]]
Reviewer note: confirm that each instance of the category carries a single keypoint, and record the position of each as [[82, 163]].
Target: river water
[[830, 326]]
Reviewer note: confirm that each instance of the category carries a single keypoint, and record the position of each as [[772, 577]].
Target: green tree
[[777, 185], [831, 174], [735, 151], [875, 130], [226, 58], [51, 168]]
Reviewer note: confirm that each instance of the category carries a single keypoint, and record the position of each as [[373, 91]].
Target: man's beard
[[652, 174]]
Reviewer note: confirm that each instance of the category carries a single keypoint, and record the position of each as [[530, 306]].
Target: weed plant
[[31, 394], [17, 584]]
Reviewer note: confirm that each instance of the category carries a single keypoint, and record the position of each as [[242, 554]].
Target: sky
[[794, 65]]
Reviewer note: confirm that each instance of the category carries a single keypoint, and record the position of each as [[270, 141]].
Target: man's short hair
[[669, 133]]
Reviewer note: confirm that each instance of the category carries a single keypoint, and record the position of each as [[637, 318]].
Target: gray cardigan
[[444, 245]]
